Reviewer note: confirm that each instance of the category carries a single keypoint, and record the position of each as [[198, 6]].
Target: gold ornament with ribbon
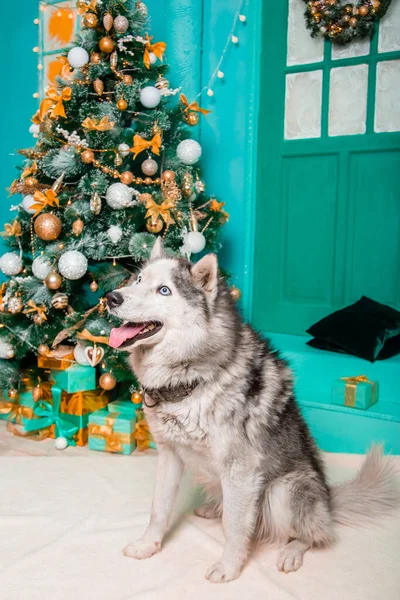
[[156, 213], [54, 102], [12, 229], [157, 49], [140, 144], [43, 199], [37, 311], [98, 125]]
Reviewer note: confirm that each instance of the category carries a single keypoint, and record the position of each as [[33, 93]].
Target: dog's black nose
[[114, 299]]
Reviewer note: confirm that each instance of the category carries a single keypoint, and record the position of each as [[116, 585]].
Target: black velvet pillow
[[366, 329]]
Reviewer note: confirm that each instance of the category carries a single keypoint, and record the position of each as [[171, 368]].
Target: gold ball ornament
[[348, 8], [156, 129], [37, 393], [192, 119], [106, 45], [353, 22], [346, 18], [95, 58], [154, 226], [31, 182], [126, 177], [137, 397], [43, 350], [77, 227], [38, 319], [168, 175], [122, 104], [53, 280], [94, 286], [235, 293], [47, 227], [90, 20], [87, 157], [128, 79], [12, 393], [107, 381], [59, 301]]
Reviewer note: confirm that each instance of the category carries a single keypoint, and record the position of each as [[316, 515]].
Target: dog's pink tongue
[[119, 335]]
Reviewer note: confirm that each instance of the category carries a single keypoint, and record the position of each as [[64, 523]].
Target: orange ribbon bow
[[54, 103], [83, 6], [43, 199], [96, 339], [66, 71], [36, 119], [98, 125], [192, 106], [162, 210], [158, 49], [34, 308], [139, 144], [16, 411], [11, 229]]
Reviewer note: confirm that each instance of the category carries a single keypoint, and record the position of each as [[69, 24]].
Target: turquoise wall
[[196, 31]]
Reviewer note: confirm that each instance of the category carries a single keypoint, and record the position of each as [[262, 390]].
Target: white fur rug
[[64, 520]]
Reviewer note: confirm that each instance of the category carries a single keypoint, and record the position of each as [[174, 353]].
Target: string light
[[231, 39], [35, 49], [36, 95], [36, 21], [40, 66]]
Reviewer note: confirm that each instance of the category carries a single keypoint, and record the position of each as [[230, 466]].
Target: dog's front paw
[[222, 572], [142, 549], [290, 559]]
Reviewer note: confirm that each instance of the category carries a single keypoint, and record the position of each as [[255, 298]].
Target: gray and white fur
[[239, 429]]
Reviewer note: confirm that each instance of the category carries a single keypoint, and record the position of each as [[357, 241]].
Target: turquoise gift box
[[124, 407], [355, 392], [16, 409], [112, 432], [76, 378]]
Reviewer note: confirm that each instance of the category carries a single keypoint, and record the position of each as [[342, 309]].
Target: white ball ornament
[[10, 264], [119, 196], [195, 241], [123, 150], [150, 96], [78, 57], [114, 233], [72, 264], [189, 152], [149, 167], [61, 443], [27, 204], [121, 24], [34, 129], [80, 356], [41, 267], [6, 350]]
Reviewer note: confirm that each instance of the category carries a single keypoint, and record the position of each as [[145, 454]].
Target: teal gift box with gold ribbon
[[16, 409], [76, 378], [112, 432], [355, 392]]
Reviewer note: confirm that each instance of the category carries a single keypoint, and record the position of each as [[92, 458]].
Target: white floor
[[65, 516]]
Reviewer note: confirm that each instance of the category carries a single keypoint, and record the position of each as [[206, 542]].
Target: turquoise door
[[328, 200]]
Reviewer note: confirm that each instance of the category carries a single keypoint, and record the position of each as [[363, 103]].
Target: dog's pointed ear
[[205, 273], [158, 249]]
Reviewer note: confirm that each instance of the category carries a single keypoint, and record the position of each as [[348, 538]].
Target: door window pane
[[387, 100], [355, 48], [348, 100], [301, 47], [303, 105], [389, 29]]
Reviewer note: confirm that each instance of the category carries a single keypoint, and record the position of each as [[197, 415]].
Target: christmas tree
[[113, 167]]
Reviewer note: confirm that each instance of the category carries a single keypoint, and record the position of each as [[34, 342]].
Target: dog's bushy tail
[[372, 494]]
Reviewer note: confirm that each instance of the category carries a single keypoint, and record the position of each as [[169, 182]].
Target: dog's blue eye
[[164, 290]]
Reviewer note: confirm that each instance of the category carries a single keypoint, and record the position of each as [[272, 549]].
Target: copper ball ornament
[[353, 22], [90, 20], [121, 24], [87, 157], [137, 397], [43, 350], [128, 79], [31, 182], [122, 104], [168, 175], [53, 280], [107, 381], [106, 44], [154, 226], [94, 286], [47, 227], [126, 177], [95, 58], [147, 181], [192, 119], [12, 393]]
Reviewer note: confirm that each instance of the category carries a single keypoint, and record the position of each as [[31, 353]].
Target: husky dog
[[219, 400]]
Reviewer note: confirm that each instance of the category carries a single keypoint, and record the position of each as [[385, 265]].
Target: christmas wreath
[[342, 23]]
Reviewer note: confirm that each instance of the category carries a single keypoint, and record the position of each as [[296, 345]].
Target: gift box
[[76, 378], [60, 359], [124, 407], [143, 437], [112, 432], [15, 410], [355, 392]]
